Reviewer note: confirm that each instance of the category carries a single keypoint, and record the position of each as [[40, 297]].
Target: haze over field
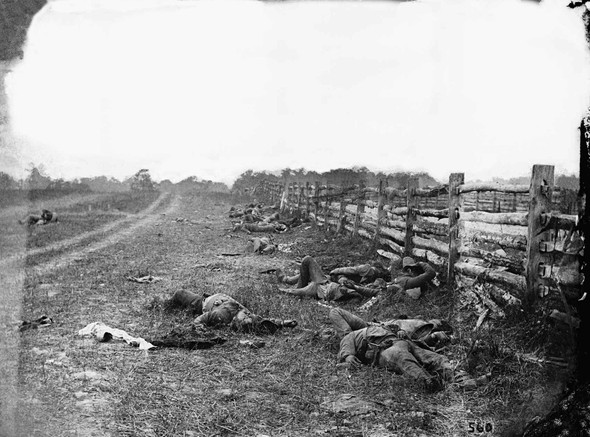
[[212, 88]]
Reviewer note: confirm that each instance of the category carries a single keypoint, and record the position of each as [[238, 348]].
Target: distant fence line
[[510, 236]]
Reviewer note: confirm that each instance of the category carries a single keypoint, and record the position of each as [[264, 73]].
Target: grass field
[[58, 383]]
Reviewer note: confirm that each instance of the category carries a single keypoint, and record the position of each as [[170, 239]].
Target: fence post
[[380, 211], [327, 208], [285, 196], [316, 201], [455, 179], [539, 204], [289, 195], [411, 203], [513, 202], [342, 214], [360, 208], [270, 188], [299, 188], [307, 192]]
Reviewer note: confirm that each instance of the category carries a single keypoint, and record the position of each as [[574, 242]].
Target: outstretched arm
[[422, 279]]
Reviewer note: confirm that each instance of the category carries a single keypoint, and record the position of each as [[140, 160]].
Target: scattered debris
[[287, 247], [185, 220], [533, 358], [257, 344], [481, 318], [104, 333], [144, 279], [574, 322], [41, 322], [351, 404], [188, 338]]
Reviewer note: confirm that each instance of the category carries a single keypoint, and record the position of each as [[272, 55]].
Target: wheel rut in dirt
[[64, 244], [148, 217]]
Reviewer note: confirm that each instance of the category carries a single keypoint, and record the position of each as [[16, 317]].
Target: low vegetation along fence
[[514, 238]]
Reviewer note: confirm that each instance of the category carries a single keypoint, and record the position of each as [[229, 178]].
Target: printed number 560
[[480, 427]]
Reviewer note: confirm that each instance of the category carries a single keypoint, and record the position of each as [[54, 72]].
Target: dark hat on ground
[[408, 262]]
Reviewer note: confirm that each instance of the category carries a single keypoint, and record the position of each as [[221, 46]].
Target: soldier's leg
[[433, 362], [345, 322], [310, 290], [399, 359], [310, 271], [187, 299], [359, 270]]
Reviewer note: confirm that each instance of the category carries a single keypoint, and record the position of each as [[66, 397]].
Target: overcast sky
[[212, 88]]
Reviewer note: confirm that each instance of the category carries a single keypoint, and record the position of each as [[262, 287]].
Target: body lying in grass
[[430, 334], [45, 217], [223, 310], [260, 227], [402, 346], [366, 280]]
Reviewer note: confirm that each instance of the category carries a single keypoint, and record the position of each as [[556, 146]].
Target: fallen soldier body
[[415, 277], [388, 346], [223, 310], [260, 245], [45, 217], [260, 227], [312, 282], [433, 333]]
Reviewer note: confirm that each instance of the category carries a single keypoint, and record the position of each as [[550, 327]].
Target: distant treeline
[[339, 176], [363, 176], [37, 183]]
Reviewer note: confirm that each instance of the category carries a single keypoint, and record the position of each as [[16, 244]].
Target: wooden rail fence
[[510, 236]]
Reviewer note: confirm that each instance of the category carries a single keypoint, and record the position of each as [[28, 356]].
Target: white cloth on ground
[[103, 332]]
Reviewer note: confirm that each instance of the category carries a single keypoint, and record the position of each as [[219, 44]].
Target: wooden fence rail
[[506, 235]]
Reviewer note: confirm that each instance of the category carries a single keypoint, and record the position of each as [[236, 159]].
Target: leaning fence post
[[360, 208], [380, 211], [411, 214], [455, 180], [539, 208]]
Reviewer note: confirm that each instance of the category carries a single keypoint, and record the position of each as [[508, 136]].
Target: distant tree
[[59, 184], [7, 182], [571, 182], [166, 185], [250, 179], [142, 181], [37, 180]]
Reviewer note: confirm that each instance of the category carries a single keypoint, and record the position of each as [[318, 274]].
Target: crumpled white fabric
[[145, 279], [103, 332]]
